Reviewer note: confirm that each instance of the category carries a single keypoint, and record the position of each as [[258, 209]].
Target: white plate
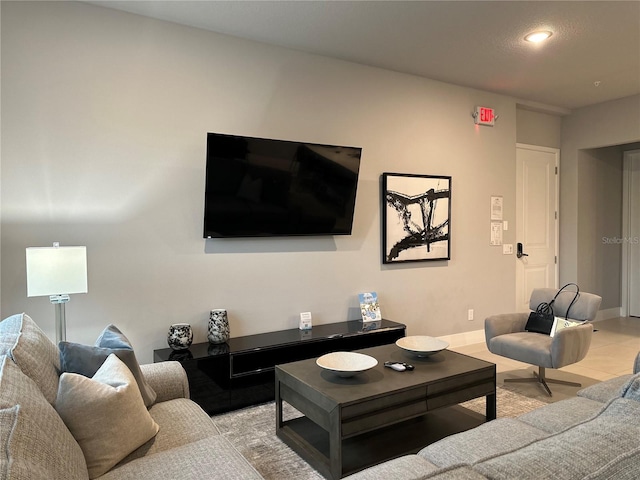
[[421, 345], [346, 364]]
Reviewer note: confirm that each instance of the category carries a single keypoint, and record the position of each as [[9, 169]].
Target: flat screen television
[[258, 187]]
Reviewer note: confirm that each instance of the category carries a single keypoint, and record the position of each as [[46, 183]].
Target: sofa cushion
[[86, 360], [212, 457], [105, 414], [459, 472], [409, 467], [558, 416], [181, 421], [471, 446], [605, 391], [8, 420], [32, 351], [36, 443], [624, 467], [576, 452]]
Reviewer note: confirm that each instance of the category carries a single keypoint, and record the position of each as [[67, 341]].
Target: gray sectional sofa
[[595, 435], [35, 443]]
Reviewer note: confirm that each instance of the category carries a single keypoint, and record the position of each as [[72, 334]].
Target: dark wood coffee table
[[352, 423]]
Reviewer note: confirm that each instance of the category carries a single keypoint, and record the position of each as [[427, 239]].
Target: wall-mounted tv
[[258, 187]]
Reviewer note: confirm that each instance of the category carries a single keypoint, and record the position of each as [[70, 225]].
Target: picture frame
[[416, 218]]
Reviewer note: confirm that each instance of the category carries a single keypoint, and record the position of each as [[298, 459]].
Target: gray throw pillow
[[86, 359]]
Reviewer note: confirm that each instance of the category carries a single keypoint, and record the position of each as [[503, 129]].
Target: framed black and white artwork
[[416, 218]]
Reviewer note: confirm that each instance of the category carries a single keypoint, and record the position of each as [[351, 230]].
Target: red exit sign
[[484, 116]]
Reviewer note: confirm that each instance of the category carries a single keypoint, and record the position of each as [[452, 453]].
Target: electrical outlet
[[470, 314]]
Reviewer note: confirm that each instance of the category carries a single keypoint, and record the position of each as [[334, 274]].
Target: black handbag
[[541, 321]]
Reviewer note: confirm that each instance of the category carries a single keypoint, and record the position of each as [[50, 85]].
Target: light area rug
[[535, 390], [252, 432]]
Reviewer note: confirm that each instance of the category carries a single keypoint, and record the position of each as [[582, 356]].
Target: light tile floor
[[614, 347]]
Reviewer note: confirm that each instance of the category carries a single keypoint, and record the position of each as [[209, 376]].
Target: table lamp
[[57, 271]]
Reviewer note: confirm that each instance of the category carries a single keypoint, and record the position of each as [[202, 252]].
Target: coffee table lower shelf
[[311, 442]]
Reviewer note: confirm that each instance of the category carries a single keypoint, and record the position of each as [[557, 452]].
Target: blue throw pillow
[[631, 389], [86, 359]]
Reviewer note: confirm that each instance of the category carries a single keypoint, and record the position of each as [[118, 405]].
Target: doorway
[[536, 220], [631, 234]]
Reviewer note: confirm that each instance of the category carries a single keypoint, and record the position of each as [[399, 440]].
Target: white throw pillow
[[105, 414]]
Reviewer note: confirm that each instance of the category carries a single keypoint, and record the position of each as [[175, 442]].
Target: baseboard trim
[[608, 313], [465, 338]]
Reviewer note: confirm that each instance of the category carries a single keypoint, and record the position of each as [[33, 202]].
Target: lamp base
[[61, 321]]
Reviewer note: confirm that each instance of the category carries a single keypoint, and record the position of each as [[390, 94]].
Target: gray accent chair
[[506, 336]]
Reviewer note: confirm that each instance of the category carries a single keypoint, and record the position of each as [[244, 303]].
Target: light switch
[[507, 249]]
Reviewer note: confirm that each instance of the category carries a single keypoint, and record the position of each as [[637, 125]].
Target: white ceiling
[[476, 44]]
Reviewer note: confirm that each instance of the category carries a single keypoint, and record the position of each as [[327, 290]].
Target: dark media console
[[240, 372]]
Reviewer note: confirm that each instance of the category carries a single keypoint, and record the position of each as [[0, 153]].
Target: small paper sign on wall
[[496, 233], [496, 208]]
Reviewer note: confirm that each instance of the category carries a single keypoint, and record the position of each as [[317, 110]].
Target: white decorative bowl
[[346, 364], [421, 345]]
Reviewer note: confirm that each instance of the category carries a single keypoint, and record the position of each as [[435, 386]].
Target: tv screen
[[257, 187]]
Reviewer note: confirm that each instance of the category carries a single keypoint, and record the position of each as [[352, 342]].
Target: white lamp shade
[[56, 270]]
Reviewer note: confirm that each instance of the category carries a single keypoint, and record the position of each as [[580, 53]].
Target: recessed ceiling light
[[537, 37]]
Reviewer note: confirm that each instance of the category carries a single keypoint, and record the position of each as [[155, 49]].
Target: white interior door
[[536, 220], [631, 233]]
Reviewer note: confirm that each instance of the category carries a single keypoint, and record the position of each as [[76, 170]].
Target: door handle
[[519, 252]]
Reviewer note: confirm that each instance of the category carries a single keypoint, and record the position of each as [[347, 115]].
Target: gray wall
[[537, 128], [599, 219], [592, 177], [104, 121], [607, 124]]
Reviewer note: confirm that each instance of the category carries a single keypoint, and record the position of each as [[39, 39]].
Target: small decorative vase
[[180, 336], [218, 331]]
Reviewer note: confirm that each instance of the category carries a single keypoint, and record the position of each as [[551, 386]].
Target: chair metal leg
[[563, 382], [541, 378]]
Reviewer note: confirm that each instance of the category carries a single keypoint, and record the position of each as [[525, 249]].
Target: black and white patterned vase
[[180, 336], [218, 331]]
